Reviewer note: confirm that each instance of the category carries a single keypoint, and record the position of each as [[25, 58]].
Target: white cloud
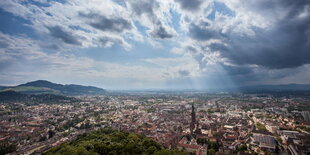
[[203, 46], [67, 16], [26, 59]]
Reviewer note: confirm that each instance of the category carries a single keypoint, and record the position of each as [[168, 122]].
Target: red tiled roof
[[189, 146]]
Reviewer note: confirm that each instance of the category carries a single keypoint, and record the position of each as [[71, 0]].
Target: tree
[[213, 145], [108, 141], [211, 152], [6, 147], [51, 133], [202, 141], [242, 148]]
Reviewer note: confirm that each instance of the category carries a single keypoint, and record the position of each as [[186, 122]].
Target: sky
[[155, 44]]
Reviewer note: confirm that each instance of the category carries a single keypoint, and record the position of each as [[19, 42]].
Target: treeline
[[6, 147], [12, 97], [107, 141]]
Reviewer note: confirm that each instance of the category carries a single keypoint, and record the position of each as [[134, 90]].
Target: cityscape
[[155, 77], [195, 122]]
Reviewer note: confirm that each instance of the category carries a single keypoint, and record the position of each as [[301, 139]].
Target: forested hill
[[12, 97], [46, 87], [108, 141]]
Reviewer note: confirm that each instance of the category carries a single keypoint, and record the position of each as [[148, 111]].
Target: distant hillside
[[3, 87], [46, 87], [276, 88], [107, 141], [12, 96]]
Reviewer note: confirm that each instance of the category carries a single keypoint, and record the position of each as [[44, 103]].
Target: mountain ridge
[[47, 87]]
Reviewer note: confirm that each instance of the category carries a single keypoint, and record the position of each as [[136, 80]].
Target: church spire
[[193, 122]]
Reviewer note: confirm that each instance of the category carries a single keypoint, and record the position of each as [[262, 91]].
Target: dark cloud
[[202, 31], [106, 41], [260, 75], [236, 70], [267, 7], [190, 5], [65, 36], [283, 45], [183, 72], [144, 7], [103, 23], [161, 33]]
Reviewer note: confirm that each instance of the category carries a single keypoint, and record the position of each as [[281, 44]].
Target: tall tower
[[193, 114], [193, 122]]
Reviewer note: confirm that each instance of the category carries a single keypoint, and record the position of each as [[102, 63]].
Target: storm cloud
[[285, 44]]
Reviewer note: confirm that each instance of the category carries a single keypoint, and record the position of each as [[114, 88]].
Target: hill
[[46, 87], [108, 141], [12, 96]]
